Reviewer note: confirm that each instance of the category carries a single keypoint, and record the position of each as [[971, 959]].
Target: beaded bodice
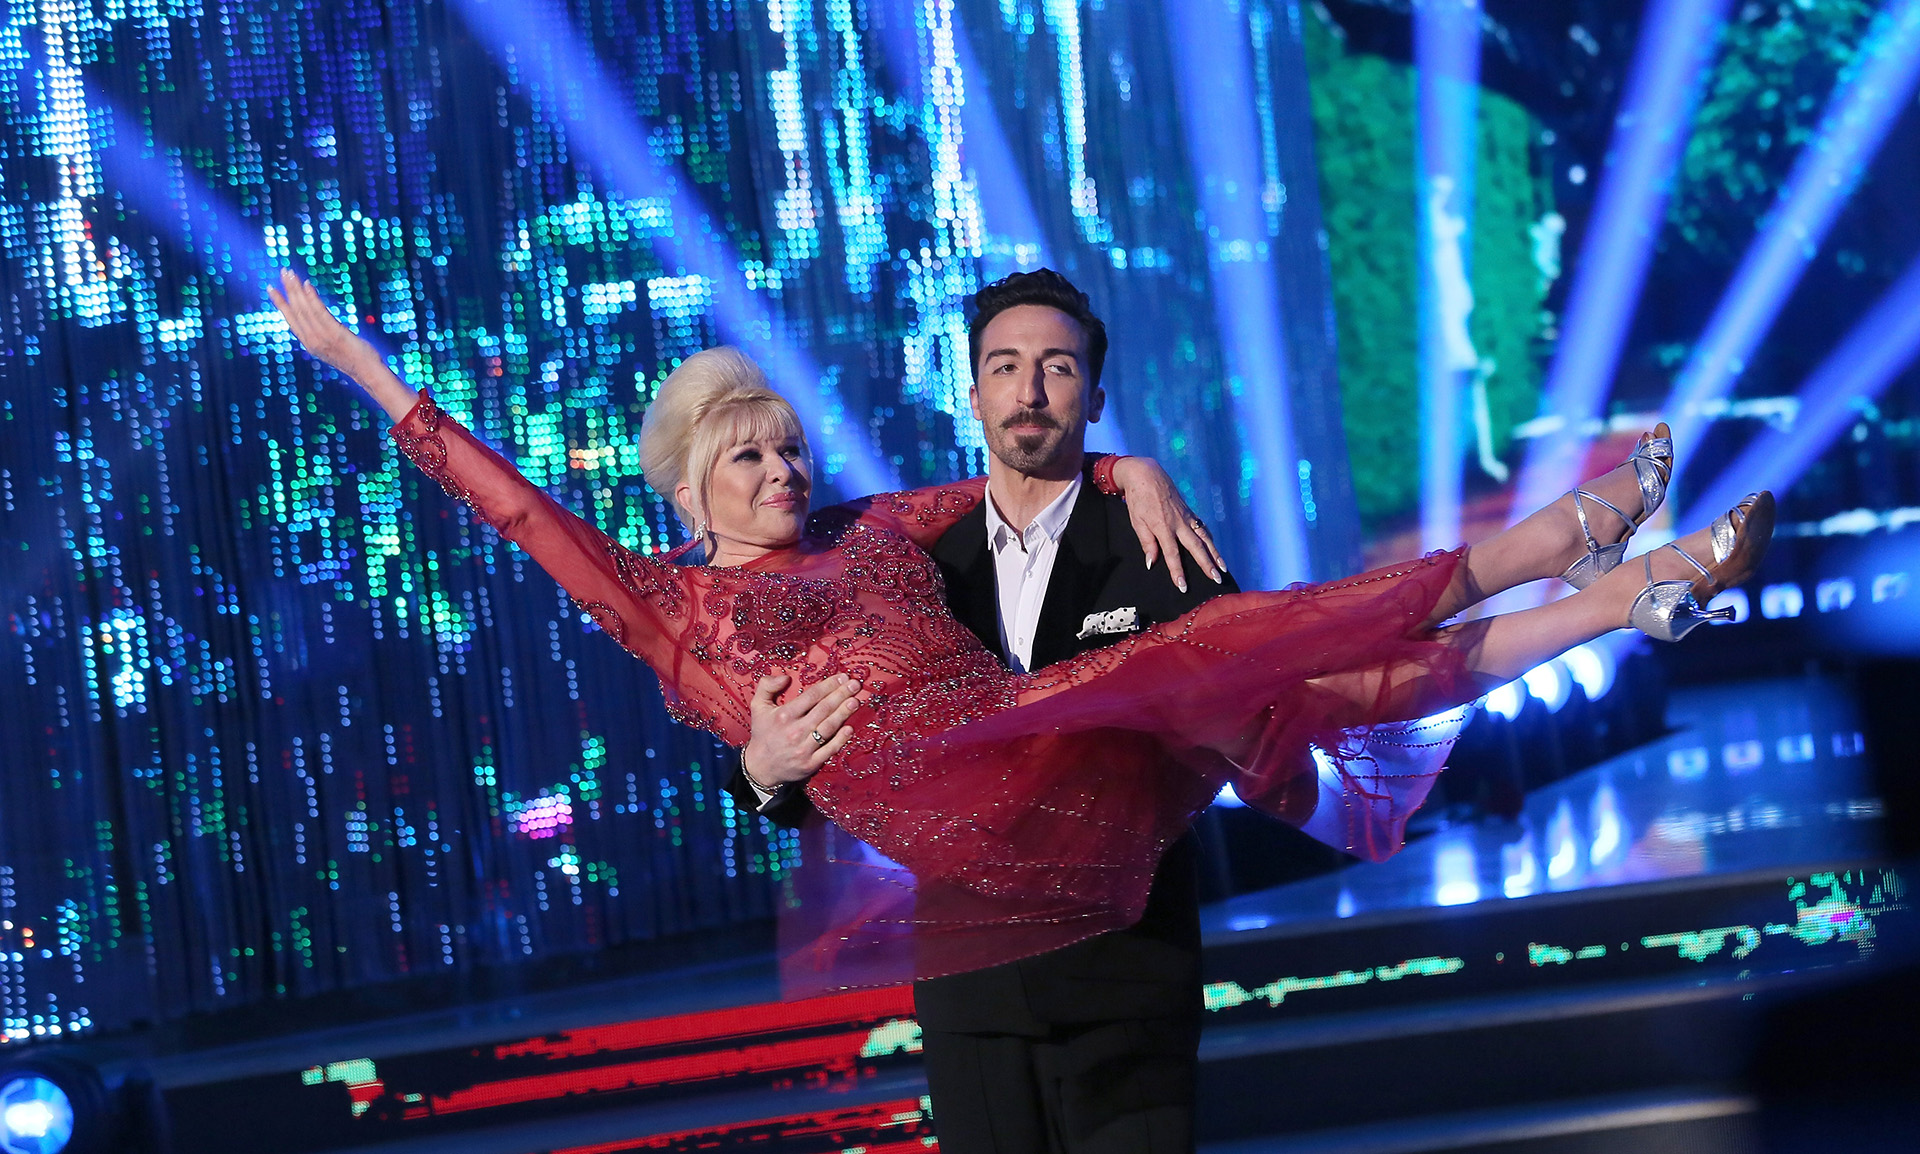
[[856, 599], [857, 595]]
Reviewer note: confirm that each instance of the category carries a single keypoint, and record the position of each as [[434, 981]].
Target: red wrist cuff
[[425, 409], [1103, 473]]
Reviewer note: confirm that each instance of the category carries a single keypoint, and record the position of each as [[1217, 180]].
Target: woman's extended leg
[[1495, 650], [1550, 539]]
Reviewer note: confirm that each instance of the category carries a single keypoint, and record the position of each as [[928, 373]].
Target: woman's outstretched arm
[[635, 599], [322, 335], [639, 601]]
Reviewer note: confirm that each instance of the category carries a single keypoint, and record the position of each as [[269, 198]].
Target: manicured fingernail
[[1182, 585]]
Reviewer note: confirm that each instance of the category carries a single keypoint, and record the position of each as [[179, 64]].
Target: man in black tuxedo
[[1092, 1047]]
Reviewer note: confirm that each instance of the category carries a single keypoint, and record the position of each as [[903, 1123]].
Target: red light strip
[[873, 1006], [809, 1058], [902, 1115]]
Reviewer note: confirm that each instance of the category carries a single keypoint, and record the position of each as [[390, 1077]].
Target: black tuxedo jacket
[[1152, 968]]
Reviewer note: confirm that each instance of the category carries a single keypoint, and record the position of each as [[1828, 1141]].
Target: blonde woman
[[972, 777]]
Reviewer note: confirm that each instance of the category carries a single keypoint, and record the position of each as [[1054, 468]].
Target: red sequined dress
[[1031, 809]]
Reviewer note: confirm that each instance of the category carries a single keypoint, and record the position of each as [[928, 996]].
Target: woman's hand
[[1163, 521], [324, 337], [783, 749]]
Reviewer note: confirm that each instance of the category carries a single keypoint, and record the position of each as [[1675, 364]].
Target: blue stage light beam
[[1005, 202], [1877, 87], [549, 56], [1670, 64], [1871, 357], [1008, 206], [1447, 62], [1019, 240], [187, 208], [1212, 58]]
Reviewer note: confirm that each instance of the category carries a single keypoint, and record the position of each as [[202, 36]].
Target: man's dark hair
[[1042, 286]]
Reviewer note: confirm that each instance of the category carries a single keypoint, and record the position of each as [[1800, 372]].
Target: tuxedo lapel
[[973, 593], [1080, 570]]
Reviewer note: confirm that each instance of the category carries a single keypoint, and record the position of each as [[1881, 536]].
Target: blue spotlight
[[1213, 60], [564, 77], [54, 1105], [1835, 595], [1593, 668], [1875, 90], [1507, 700], [1670, 64], [1563, 849], [1883, 344], [1520, 866], [1549, 684], [36, 1116], [1456, 870], [1878, 613], [1609, 826], [1447, 60]]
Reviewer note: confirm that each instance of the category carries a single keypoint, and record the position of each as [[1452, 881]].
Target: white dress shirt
[[1022, 568]]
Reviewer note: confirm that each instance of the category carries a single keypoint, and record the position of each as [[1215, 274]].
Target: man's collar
[[1051, 521]]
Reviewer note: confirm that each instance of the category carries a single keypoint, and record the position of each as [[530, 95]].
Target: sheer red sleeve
[[920, 515], [643, 603]]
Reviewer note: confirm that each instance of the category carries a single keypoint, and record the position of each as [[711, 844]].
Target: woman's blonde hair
[[716, 399]]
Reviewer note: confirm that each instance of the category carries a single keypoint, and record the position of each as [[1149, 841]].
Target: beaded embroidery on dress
[[1029, 809]]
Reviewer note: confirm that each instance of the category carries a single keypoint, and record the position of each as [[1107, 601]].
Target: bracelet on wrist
[[752, 780], [1102, 473]]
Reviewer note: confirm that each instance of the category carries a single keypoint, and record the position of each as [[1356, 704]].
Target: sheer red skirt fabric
[[1003, 815], [1042, 824]]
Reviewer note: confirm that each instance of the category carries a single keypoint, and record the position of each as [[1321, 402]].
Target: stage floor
[[1739, 848], [1753, 777]]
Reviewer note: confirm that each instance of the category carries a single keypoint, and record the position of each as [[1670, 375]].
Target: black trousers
[[1084, 1088]]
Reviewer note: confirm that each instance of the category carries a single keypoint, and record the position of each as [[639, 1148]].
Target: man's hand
[[783, 749], [1163, 521]]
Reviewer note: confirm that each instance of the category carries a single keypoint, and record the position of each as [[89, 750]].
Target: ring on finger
[[1197, 525], [817, 739]]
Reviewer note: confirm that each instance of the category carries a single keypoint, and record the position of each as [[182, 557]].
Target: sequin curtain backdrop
[[281, 720]]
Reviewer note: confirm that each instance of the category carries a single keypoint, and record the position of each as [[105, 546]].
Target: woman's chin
[[769, 529], [782, 530]]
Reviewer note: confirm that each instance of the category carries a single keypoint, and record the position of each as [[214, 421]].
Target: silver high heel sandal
[[1669, 610], [1652, 462]]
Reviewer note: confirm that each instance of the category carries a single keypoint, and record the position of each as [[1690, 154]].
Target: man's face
[[1030, 389]]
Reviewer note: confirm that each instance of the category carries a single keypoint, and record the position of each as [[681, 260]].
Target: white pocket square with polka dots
[[1124, 620]]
